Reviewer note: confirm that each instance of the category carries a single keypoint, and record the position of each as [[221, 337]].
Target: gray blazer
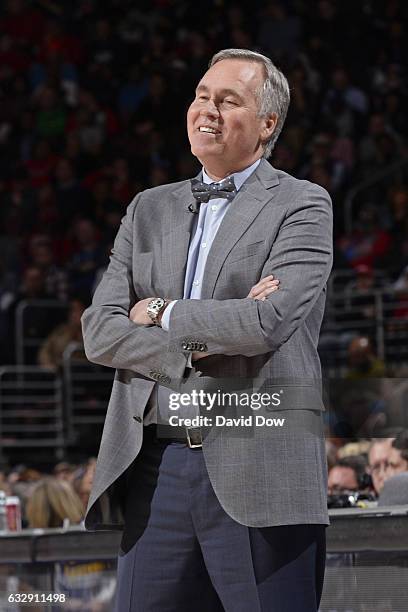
[[262, 476]]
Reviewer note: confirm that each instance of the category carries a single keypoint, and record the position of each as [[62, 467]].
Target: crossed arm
[[301, 258], [260, 291]]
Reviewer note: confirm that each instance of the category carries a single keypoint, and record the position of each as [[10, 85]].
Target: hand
[[139, 315], [264, 287]]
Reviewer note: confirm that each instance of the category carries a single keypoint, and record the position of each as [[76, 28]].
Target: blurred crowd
[[363, 473], [50, 499], [92, 110], [368, 472]]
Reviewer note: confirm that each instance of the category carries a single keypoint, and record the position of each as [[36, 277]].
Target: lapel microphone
[[194, 207]]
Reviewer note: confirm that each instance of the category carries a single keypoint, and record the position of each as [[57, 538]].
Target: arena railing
[[34, 321], [366, 564], [31, 409], [381, 317], [86, 389]]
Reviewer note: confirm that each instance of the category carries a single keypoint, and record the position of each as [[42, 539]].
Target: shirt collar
[[239, 177]]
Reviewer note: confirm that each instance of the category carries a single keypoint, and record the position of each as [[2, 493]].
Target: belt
[[191, 436]]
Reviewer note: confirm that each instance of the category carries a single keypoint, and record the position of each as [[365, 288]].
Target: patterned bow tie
[[203, 192]]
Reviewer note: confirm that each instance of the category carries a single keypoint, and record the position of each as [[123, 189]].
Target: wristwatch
[[155, 308]]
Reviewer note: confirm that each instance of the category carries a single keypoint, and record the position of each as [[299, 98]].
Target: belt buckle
[[194, 438]]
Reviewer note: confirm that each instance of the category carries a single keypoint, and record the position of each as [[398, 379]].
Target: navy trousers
[[181, 551]]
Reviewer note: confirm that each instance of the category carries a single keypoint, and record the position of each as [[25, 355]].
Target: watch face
[[155, 306]]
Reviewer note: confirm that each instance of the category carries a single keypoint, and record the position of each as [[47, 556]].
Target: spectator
[[368, 243], [51, 352], [71, 197], [348, 474], [87, 257], [331, 453], [51, 115], [4, 484], [36, 322], [55, 278], [342, 477], [22, 481], [64, 471], [378, 462], [279, 31], [51, 502], [41, 166], [398, 455], [360, 300], [379, 146], [83, 481], [362, 361]]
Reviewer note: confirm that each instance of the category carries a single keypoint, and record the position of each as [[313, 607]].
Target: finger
[[266, 278], [264, 294], [264, 281], [257, 289]]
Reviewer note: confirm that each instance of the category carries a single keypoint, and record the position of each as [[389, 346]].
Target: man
[[378, 462], [397, 461], [344, 476], [223, 518]]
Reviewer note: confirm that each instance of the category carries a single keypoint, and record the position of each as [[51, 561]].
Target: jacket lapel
[[179, 222], [254, 194]]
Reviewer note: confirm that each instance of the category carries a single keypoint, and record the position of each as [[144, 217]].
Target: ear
[[269, 125]]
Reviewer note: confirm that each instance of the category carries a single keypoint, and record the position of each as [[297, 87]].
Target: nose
[[210, 109]]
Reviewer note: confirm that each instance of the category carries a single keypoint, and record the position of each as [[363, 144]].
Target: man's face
[[224, 128], [396, 463], [341, 479], [378, 463]]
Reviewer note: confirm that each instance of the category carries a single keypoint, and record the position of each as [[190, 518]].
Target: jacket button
[[164, 378], [138, 418]]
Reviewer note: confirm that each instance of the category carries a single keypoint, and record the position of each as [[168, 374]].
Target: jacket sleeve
[[110, 337], [301, 258]]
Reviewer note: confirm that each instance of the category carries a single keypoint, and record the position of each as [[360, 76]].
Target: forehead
[[240, 75], [379, 451], [341, 471]]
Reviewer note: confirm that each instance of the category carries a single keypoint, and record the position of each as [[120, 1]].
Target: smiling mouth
[[208, 130]]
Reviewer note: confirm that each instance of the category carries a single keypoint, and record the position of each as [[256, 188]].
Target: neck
[[217, 174]]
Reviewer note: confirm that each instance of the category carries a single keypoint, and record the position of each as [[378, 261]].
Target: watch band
[[161, 313]]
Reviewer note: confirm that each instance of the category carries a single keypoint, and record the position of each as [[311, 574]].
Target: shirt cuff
[[165, 320]]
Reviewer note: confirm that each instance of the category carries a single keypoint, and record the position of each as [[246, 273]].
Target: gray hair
[[273, 96]]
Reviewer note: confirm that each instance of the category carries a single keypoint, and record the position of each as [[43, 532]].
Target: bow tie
[[203, 192]]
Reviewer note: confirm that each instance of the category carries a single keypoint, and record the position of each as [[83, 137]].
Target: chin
[[205, 153]]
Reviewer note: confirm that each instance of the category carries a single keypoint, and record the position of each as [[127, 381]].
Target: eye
[[230, 101]]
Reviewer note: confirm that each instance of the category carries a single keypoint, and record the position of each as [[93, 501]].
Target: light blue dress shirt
[[209, 220]]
